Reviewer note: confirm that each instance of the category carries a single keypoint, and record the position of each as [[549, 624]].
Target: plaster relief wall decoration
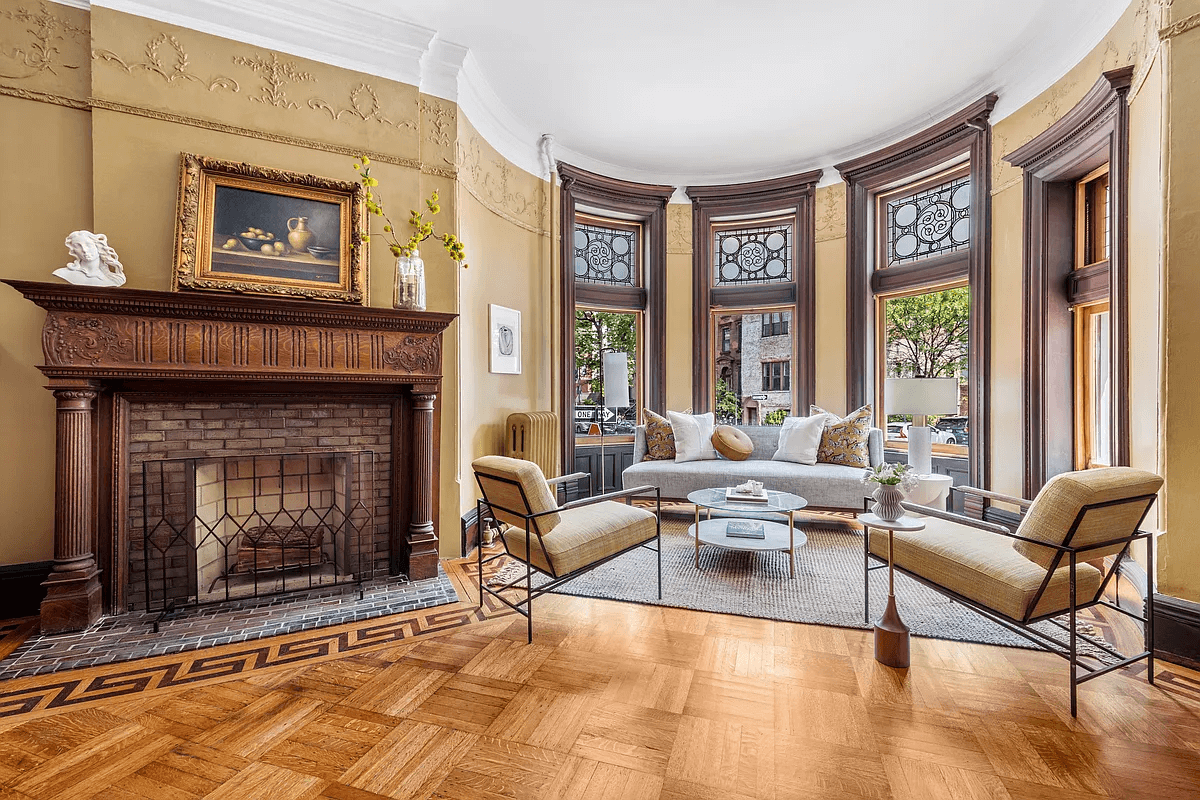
[[153, 64], [831, 212], [364, 104], [679, 228], [276, 75], [164, 72], [492, 180], [43, 53], [440, 123]]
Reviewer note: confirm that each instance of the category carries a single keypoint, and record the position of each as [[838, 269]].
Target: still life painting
[[243, 228]]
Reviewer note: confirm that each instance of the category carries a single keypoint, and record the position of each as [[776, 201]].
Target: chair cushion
[[732, 443], [983, 567], [1054, 509], [822, 485], [660, 439], [502, 480], [845, 440], [585, 535]]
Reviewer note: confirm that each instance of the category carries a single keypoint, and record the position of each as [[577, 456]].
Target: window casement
[[1093, 386], [753, 278], [1076, 280], [918, 256], [611, 298]]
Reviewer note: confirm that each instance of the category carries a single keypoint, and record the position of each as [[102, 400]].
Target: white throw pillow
[[693, 436], [800, 438]]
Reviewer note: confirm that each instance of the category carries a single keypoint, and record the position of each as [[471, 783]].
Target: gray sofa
[[829, 486]]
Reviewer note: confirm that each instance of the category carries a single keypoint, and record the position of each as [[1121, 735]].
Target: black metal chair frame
[[525, 607], [1022, 627]]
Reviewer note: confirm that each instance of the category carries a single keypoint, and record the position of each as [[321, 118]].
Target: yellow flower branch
[[422, 230]]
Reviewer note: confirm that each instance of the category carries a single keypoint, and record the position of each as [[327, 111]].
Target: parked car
[[956, 429], [899, 430]]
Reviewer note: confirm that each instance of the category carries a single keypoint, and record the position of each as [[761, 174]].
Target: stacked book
[[733, 494]]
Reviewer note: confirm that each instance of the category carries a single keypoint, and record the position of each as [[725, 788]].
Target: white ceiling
[[683, 92]]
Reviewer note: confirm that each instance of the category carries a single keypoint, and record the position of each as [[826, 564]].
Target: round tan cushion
[[732, 443]]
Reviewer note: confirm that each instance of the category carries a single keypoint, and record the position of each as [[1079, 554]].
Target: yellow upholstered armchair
[[1043, 570], [561, 542]]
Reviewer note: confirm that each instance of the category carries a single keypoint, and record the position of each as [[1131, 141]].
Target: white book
[[745, 497]]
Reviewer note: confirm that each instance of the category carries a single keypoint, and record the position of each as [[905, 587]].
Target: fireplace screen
[[218, 529]]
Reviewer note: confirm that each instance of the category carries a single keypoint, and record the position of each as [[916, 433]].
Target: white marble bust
[[95, 264]]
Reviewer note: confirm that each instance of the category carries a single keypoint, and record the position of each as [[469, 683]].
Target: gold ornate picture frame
[[243, 228]]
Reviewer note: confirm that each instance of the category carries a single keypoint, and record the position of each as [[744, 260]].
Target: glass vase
[[409, 293], [887, 502]]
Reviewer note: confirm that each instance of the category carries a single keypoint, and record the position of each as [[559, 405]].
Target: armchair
[[560, 542], [1040, 571]]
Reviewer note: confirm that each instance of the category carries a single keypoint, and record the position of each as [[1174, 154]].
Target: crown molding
[[364, 40], [83, 5], [356, 35]]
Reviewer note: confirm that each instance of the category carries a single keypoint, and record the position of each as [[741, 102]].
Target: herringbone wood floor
[[611, 701]]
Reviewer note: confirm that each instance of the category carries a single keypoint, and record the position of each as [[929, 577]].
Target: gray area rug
[[827, 588]]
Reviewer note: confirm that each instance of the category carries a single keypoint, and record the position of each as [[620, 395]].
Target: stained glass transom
[[606, 255], [762, 254], [931, 222]]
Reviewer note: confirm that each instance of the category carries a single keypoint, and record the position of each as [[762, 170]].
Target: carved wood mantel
[[98, 342]]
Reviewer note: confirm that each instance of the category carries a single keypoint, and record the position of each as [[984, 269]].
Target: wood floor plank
[[411, 761], [614, 700]]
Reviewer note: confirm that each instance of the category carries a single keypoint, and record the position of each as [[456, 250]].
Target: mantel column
[[422, 540], [72, 600]]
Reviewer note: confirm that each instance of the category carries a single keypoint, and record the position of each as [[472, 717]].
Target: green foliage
[[600, 331], [728, 406], [927, 334], [775, 417]]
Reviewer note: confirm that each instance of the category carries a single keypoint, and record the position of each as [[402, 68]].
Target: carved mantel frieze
[[132, 333]]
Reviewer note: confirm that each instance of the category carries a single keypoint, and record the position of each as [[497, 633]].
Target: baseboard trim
[[21, 588], [1177, 630], [470, 530]]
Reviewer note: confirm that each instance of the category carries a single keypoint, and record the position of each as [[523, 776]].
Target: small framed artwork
[[243, 228], [505, 327]]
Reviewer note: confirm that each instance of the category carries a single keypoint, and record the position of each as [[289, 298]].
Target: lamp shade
[[925, 396], [616, 380]]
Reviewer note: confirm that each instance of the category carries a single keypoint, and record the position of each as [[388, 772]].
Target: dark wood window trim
[[1094, 131], [647, 204], [967, 132], [792, 194]]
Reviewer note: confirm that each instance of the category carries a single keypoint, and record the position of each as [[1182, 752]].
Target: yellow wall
[[1179, 563], [160, 90]]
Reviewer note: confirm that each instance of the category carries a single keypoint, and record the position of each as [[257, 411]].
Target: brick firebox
[[108, 349], [160, 430]]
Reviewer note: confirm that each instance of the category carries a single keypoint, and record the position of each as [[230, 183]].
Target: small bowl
[[320, 252]]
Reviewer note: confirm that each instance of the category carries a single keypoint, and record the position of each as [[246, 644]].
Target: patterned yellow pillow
[[844, 441], [660, 439]]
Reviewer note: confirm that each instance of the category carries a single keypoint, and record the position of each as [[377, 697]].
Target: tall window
[[754, 339], [611, 303], [924, 325], [1092, 333], [918, 278], [607, 254]]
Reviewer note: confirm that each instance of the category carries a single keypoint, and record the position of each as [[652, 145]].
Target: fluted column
[[72, 599], [422, 541]]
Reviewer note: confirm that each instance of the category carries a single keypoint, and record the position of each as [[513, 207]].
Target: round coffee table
[[776, 535]]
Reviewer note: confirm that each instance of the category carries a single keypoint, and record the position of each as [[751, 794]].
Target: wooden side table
[[891, 634]]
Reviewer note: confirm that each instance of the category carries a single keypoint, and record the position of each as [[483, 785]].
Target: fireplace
[[191, 381], [215, 529]]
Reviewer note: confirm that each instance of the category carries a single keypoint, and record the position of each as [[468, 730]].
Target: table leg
[[696, 531], [792, 542], [891, 634]]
